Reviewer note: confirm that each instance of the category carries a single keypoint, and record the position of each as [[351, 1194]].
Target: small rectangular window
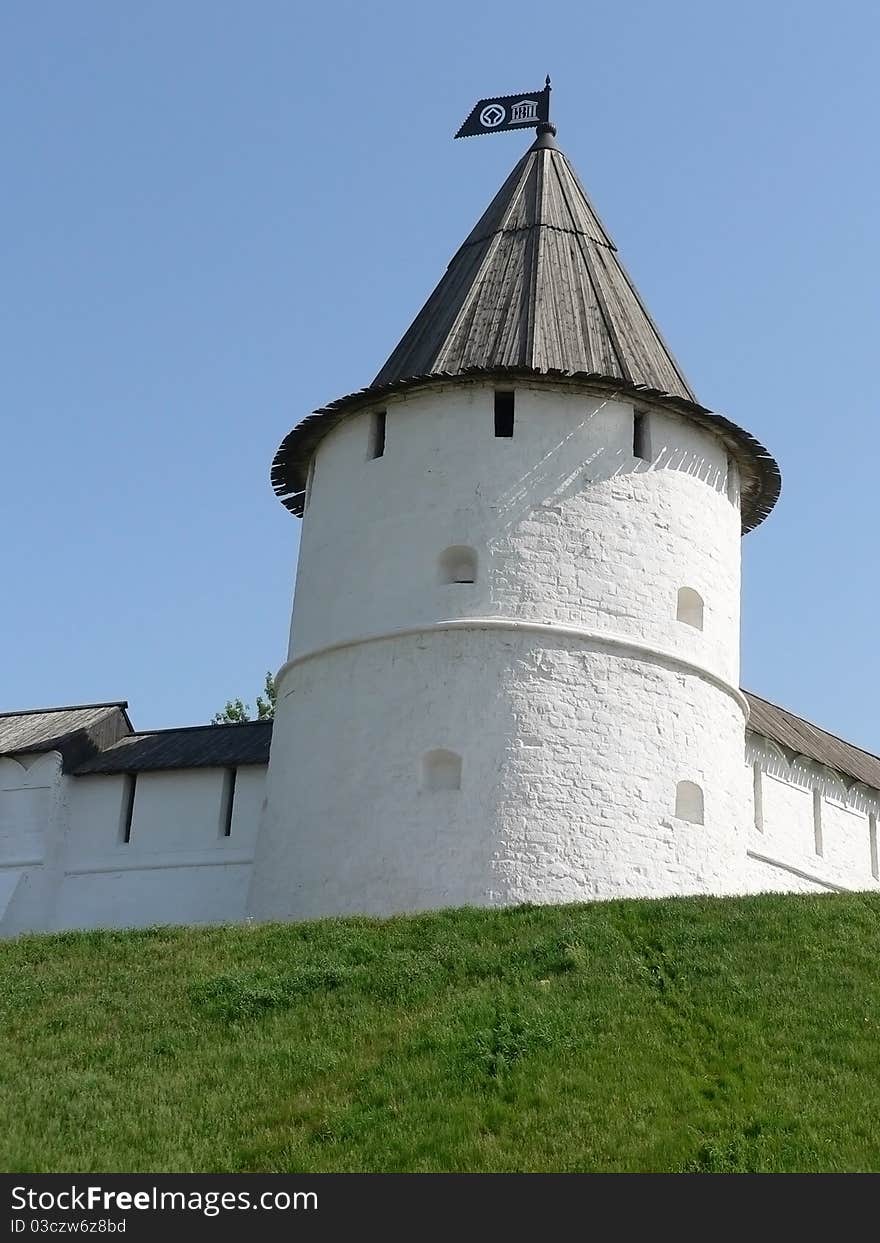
[[227, 802], [872, 836], [377, 434], [817, 822], [128, 791], [640, 437], [504, 413]]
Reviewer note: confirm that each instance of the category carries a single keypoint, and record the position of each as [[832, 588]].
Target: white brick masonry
[[573, 731], [809, 831], [64, 863], [560, 678]]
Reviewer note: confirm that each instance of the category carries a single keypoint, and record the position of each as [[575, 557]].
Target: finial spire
[[545, 127], [546, 132]]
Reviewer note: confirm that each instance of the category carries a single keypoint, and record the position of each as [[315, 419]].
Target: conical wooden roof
[[538, 284], [536, 289]]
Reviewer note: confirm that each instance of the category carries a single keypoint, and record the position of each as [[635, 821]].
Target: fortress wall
[[64, 861], [819, 830], [558, 836]]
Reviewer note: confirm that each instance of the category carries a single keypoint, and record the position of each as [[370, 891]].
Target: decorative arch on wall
[[864, 798], [457, 564], [834, 785], [689, 802], [689, 608], [29, 771], [441, 770]]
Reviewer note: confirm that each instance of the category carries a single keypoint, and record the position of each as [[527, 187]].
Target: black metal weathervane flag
[[491, 116]]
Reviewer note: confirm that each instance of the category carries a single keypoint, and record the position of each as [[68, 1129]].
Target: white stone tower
[[513, 672]]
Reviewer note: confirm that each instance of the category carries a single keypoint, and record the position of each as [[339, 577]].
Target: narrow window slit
[[227, 801], [504, 413], [817, 823], [128, 793], [872, 840], [640, 437], [377, 434]]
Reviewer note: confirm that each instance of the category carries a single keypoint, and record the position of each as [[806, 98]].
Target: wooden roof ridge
[[190, 729], [77, 732], [110, 703]]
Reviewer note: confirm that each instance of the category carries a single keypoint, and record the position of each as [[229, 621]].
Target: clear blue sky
[[217, 216]]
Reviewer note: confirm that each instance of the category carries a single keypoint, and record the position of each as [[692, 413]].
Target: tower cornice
[[761, 481]]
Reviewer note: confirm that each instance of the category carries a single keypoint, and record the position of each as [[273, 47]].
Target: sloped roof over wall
[[229, 746], [199, 746], [803, 738], [100, 736], [76, 732]]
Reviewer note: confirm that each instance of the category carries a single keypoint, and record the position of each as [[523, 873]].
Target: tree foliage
[[236, 710]]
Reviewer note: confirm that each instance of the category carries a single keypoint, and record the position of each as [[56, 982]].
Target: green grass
[[689, 1034]]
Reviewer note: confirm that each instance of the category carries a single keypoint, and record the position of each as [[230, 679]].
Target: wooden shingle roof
[[75, 732], [536, 289], [538, 284], [801, 737], [195, 746]]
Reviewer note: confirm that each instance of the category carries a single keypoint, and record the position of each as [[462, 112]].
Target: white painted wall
[[64, 864], [31, 831], [569, 527], [562, 678], [564, 795], [791, 791], [574, 696]]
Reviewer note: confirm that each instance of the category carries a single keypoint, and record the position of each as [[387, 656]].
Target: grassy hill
[[690, 1034]]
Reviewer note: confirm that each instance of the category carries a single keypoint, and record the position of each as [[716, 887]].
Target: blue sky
[[220, 215]]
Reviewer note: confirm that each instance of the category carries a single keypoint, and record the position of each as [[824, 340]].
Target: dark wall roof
[[97, 738], [800, 736], [536, 290], [76, 732], [228, 746], [199, 746]]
